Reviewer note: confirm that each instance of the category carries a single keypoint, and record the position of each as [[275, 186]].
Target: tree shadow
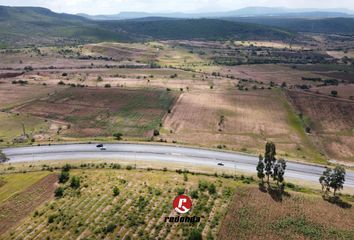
[[337, 201], [262, 187], [276, 193]]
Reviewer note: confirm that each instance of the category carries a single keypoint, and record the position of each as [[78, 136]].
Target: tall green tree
[[260, 168], [279, 171], [332, 179], [269, 159], [325, 181], [337, 179]]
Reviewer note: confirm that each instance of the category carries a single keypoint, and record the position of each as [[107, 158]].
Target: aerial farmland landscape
[[138, 120]]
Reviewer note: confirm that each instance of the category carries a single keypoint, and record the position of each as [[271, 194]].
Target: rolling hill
[[23, 26]]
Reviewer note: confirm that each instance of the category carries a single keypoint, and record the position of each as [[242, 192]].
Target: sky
[[116, 6]]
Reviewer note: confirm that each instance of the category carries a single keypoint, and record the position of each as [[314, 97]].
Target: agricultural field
[[23, 197], [297, 216], [89, 112], [106, 121], [138, 211], [119, 201], [17, 182], [238, 120], [331, 120], [14, 94], [91, 91]]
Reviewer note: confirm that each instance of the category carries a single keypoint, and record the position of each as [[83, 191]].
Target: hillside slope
[[23, 26]]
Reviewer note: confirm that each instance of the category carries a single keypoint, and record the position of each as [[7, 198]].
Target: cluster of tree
[[268, 166], [64, 178], [332, 178]]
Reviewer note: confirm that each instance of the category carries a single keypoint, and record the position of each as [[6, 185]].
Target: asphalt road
[[162, 153]]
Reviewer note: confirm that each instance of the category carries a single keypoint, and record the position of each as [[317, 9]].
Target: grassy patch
[[11, 126], [300, 225], [15, 183], [297, 216], [308, 149]]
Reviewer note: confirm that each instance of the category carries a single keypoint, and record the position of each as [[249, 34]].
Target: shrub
[[180, 191], [194, 194], [109, 228], [211, 188], [64, 176], [129, 167], [51, 218], [75, 182], [116, 191], [185, 177], [107, 85], [195, 234], [66, 167], [156, 132], [118, 136], [59, 192], [116, 166], [203, 185]]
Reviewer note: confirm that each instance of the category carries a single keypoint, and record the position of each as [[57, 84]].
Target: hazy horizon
[[96, 7]]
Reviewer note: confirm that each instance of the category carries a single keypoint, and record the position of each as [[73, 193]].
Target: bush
[[109, 228], [129, 167], [116, 191], [116, 166], [64, 176], [212, 188], [66, 167], [156, 132], [203, 185], [180, 191], [118, 136], [59, 192], [195, 234], [75, 182], [51, 218], [194, 194]]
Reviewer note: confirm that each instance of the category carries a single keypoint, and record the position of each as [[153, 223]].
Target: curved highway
[[146, 152]]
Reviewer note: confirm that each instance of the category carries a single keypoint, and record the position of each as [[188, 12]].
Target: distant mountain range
[[26, 26], [244, 12]]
